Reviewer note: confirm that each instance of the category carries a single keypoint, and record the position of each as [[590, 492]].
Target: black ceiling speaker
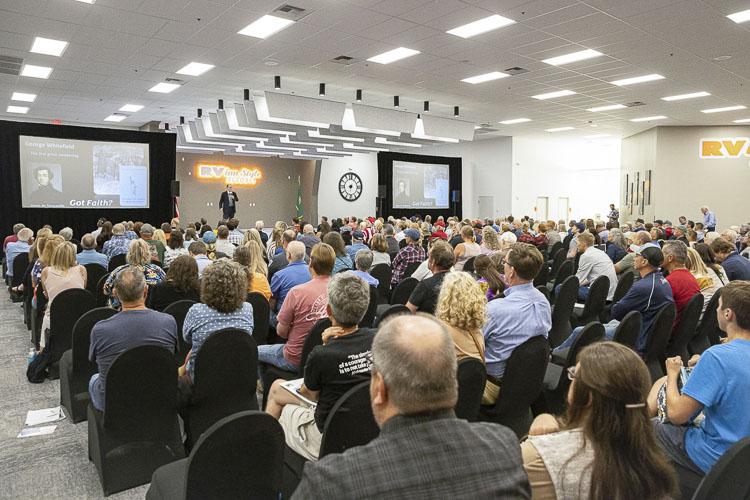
[[221, 103], [395, 101], [455, 111], [359, 95], [200, 112], [277, 82], [247, 94], [322, 90], [426, 106], [182, 120]]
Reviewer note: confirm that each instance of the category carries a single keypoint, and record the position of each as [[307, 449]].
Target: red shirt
[[303, 306], [684, 286], [9, 239]]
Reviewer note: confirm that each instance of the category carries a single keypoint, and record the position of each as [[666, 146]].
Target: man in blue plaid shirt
[[412, 252]]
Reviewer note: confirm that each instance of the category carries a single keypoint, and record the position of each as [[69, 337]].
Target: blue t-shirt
[[295, 273], [720, 382], [201, 321]]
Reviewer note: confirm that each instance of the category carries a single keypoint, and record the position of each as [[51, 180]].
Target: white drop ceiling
[[121, 48]]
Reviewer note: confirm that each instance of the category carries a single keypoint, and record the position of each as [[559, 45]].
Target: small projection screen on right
[[420, 185]]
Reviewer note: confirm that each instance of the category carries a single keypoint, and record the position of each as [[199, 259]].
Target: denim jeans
[[93, 379], [609, 333], [583, 292], [273, 354]]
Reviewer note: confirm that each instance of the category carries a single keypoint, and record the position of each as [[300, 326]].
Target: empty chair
[[624, 282], [469, 265], [369, 316], [225, 378], [522, 384], [117, 261], [94, 273], [383, 273], [542, 276], [261, 315], [544, 291], [472, 377], [410, 268], [594, 305], [555, 248], [684, 332], [101, 299], [562, 310], [240, 456], [65, 310], [628, 329], [728, 477], [178, 310], [391, 311], [558, 257], [139, 431], [403, 290], [657, 338], [565, 271], [76, 369], [708, 332]]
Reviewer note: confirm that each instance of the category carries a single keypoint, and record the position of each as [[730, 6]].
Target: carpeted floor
[[52, 466]]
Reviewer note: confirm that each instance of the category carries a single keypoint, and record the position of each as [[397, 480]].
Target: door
[[542, 203], [562, 208], [486, 207]]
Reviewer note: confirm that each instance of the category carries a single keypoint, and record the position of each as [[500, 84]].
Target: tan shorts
[[491, 392], [301, 432]]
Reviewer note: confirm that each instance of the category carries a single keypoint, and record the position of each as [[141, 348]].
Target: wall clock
[[350, 186]]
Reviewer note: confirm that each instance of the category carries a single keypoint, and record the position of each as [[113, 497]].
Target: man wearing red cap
[[439, 231]]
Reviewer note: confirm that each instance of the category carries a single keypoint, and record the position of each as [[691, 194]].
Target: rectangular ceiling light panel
[[559, 129], [573, 57], [721, 110], [195, 69], [482, 26], [740, 17], [637, 79], [265, 27], [20, 96], [131, 108], [648, 118], [48, 46], [115, 118], [515, 120], [164, 88], [607, 108], [487, 77], [393, 55], [552, 95], [685, 96], [17, 109], [36, 71]]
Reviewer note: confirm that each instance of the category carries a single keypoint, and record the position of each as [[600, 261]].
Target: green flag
[[299, 197]]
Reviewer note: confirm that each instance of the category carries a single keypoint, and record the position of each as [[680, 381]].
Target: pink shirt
[[304, 305]]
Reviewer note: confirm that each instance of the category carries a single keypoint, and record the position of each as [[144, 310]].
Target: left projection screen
[[70, 173]]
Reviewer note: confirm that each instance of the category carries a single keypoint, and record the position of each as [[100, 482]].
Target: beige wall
[[682, 181], [273, 198]]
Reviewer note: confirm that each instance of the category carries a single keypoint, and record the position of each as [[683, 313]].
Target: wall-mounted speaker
[[456, 196], [381, 191], [174, 189]]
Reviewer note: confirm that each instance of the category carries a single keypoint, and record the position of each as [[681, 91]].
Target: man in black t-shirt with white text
[[425, 295]]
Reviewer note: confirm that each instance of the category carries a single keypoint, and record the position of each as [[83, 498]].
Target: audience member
[[699, 270], [363, 263], [380, 251], [13, 237], [222, 242], [735, 266], [593, 263], [425, 295], [295, 273], [627, 263], [181, 283], [413, 392], [309, 239], [490, 280], [490, 243], [683, 283], [357, 245], [467, 249], [197, 251], [343, 262], [715, 272], [118, 244], [393, 247], [257, 262], [104, 235], [61, 274], [412, 252], [576, 229], [462, 306], [273, 245], [333, 368], [155, 247], [191, 236], [235, 236], [709, 219], [174, 248], [138, 256], [618, 245], [263, 235], [280, 260], [256, 282], [89, 255], [46, 246], [14, 249]]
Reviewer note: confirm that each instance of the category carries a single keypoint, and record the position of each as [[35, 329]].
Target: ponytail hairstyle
[[485, 268]]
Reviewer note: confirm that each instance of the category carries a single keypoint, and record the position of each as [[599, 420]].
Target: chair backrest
[[472, 377], [391, 311], [226, 368], [545, 291], [596, 298], [657, 338], [350, 422], [94, 273], [728, 477], [708, 332], [81, 341], [566, 241], [67, 308], [542, 277], [565, 300], [592, 332], [261, 315], [20, 263], [178, 310], [565, 271], [241, 453], [372, 309], [469, 264], [141, 394], [101, 299], [117, 261], [410, 268], [558, 257], [557, 246], [313, 339], [628, 329], [383, 273], [403, 290], [685, 330], [624, 282]]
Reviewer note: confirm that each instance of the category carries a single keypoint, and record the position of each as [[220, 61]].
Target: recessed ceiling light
[[481, 26], [86, 1], [164, 88], [515, 120], [265, 26], [195, 69], [740, 17], [744, 120], [394, 55], [607, 108], [637, 79], [575, 56], [648, 118], [719, 110], [131, 108], [36, 71], [487, 77], [115, 118], [552, 95], [597, 136], [20, 96], [17, 109], [685, 96], [559, 129], [48, 46]]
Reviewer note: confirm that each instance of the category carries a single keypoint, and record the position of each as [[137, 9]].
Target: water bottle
[[32, 355]]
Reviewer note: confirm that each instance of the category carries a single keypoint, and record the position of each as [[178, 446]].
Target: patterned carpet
[[52, 466]]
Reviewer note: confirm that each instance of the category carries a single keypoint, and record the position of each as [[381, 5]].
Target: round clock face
[[350, 186]]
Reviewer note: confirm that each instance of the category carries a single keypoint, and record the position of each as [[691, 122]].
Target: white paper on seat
[[37, 431], [36, 417]]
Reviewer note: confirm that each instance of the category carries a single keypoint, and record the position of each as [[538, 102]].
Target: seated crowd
[[475, 296]]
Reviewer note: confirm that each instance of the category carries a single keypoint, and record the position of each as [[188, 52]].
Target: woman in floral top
[[139, 256]]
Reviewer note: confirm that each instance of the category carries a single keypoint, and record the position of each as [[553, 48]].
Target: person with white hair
[[709, 219], [89, 255], [507, 239], [263, 235], [66, 233], [118, 244], [16, 248]]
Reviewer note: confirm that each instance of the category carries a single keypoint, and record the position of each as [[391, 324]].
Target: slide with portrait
[[70, 173], [420, 185]]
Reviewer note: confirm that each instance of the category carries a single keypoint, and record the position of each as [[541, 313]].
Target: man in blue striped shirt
[[709, 219]]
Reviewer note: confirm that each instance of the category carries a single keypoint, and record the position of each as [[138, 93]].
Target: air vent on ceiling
[[346, 60], [10, 65], [290, 12], [485, 129], [635, 104], [515, 70], [174, 80]]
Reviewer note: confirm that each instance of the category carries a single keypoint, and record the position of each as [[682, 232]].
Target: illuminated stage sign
[[244, 176], [734, 147]]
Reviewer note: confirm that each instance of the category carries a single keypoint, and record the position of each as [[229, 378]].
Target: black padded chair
[[544, 291], [20, 263], [239, 456], [117, 261], [469, 265], [178, 310], [522, 384], [562, 310], [369, 317], [139, 432], [657, 339], [225, 378], [624, 283], [403, 290], [76, 369], [94, 273], [410, 268], [472, 377], [542, 277], [728, 477], [594, 304], [261, 317], [558, 257], [565, 271], [555, 248], [67, 308], [101, 299], [628, 329], [391, 311], [383, 273], [685, 330], [708, 332]]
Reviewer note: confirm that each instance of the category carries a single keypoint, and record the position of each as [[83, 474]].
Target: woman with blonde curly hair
[[490, 244], [274, 242], [160, 236], [257, 262], [463, 307], [138, 256]]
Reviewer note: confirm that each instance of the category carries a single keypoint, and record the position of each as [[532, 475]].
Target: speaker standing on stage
[[228, 202]]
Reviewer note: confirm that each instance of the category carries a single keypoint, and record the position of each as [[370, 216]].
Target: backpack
[[37, 370]]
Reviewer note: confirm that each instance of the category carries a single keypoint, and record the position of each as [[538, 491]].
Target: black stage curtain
[[162, 164], [385, 177]]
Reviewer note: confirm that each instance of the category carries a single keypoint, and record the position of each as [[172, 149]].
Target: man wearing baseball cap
[[357, 245], [680, 233], [439, 232], [647, 296], [412, 252], [578, 228]]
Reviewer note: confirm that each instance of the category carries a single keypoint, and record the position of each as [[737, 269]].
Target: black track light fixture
[[359, 95], [277, 82], [427, 106], [246, 94], [221, 103], [455, 111], [395, 101], [166, 127], [200, 112], [322, 90], [182, 120]]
